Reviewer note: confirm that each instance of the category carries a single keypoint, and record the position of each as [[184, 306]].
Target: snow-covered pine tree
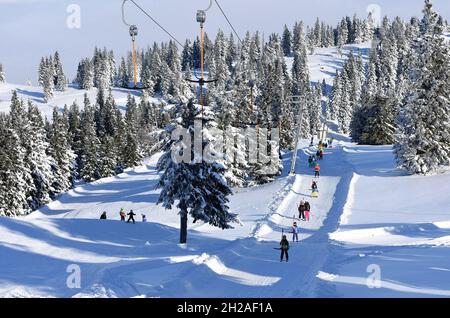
[[13, 184], [131, 152], [111, 62], [345, 109], [315, 109], [89, 169], [122, 75], [379, 121], [368, 96], [369, 28], [148, 82], [61, 152], [2, 74], [221, 69], [357, 30], [317, 33], [287, 41], [75, 133], [37, 160], [300, 77], [174, 64], [186, 56], [342, 35], [232, 53], [336, 96], [46, 77], [199, 188], [108, 157], [88, 79], [422, 142], [59, 79]]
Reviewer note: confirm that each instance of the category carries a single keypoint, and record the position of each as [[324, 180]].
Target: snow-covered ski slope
[[368, 216]]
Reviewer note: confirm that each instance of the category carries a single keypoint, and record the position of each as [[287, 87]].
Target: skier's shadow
[[302, 194]]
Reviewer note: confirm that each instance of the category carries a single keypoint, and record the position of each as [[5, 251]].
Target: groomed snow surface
[[370, 220]]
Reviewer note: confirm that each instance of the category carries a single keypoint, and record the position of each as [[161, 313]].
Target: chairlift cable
[[228, 20], [157, 23]]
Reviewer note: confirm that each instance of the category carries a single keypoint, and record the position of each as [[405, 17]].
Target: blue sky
[[30, 29]]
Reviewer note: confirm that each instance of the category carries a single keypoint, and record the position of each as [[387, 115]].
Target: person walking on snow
[[131, 217], [122, 214], [307, 206], [317, 171], [294, 232], [301, 210], [284, 247]]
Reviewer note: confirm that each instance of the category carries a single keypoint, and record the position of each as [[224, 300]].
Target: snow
[[368, 215]]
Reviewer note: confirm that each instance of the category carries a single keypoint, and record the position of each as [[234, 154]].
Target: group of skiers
[[304, 208], [123, 215]]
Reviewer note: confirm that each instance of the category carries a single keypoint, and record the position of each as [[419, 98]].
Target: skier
[[122, 214], [131, 217], [321, 154], [318, 154], [314, 190], [103, 216], [301, 210], [310, 161], [312, 142], [331, 142], [284, 247], [294, 232], [317, 171], [144, 218]]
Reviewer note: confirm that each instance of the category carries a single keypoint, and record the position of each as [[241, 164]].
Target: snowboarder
[[144, 218], [294, 232], [103, 216], [314, 185], [122, 214], [317, 171], [284, 247], [131, 217]]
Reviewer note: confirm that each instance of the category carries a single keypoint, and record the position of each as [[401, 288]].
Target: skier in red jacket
[[317, 170]]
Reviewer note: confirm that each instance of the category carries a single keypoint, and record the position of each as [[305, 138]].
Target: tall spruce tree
[[423, 138], [198, 186]]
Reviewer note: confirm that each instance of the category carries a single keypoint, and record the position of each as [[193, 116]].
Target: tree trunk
[[183, 225]]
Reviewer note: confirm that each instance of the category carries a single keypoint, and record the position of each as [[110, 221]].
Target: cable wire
[[157, 23], [228, 20]]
